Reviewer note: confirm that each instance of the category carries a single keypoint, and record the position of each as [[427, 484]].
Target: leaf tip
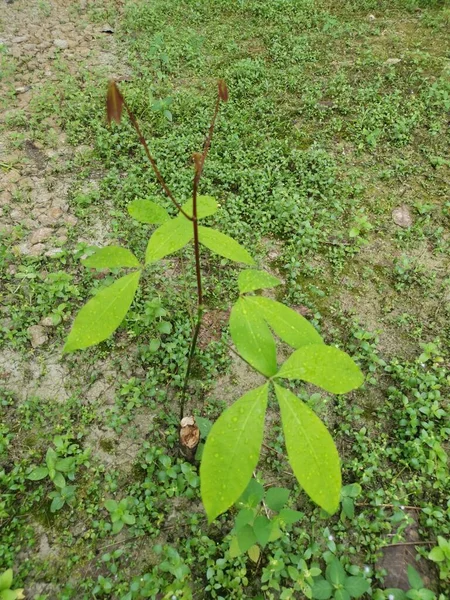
[[223, 90], [114, 103]]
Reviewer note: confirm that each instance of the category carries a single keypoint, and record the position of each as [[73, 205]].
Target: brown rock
[[12, 176], [402, 216], [51, 216]]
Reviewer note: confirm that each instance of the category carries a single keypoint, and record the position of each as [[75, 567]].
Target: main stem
[[199, 161], [199, 290]]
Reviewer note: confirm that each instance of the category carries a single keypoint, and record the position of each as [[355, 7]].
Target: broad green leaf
[[289, 516], [311, 451], [57, 504], [9, 595], [341, 595], [335, 572], [38, 474], [234, 547], [254, 553], [111, 257], [169, 238], [253, 493], [50, 458], [252, 338], [251, 279], [396, 593], [231, 452], [206, 206], [111, 505], [322, 590], [59, 480], [276, 532], [128, 519], [291, 327], [146, 211], [348, 507], [117, 526], [65, 464], [436, 555], [204, 425], [6, 579], [276, 498], [103, 314], [356, 586], [244, 517], [224, 245], [246, 538], [352, 490], [324, 366], [415, 580], [262, 528]]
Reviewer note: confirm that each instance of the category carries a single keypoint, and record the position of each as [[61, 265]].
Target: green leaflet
[[251, 279], [103, 314], [223, 245], [6, 579], [291, 327], [206, 206], [111, 257], [252, 338], [231, 452], [169, 238], [311, 451], [146, 211], [324, 366]]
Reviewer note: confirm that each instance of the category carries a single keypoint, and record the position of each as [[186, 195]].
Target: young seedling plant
[[232, 448]]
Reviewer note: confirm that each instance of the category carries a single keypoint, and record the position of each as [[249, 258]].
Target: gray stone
[[47, 322], [40, 235], [36, 250], [402, 216], [392, 61], [38, 335], [61, 44]]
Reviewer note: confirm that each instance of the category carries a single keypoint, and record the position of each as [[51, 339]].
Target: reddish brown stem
[[152, 161]]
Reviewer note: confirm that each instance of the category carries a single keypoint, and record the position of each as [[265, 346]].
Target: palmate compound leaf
[[111, 257], [325, 366], [169, 238], [252, 279], [224, 245], [146, 211], [103, 314], [311, 451], [252, 337], [232, 451], [206, 206], [291, 327]]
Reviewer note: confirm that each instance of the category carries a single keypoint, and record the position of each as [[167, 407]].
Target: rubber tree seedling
[[232, 448]]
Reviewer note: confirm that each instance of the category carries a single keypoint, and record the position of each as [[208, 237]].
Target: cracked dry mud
[[41, 39]]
